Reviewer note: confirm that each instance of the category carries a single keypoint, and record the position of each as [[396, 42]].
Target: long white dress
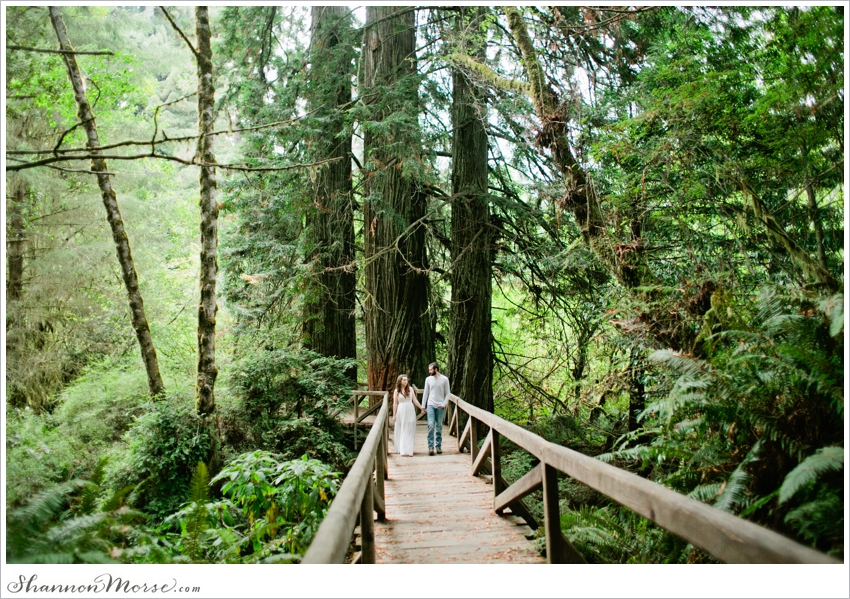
[[405, 424]]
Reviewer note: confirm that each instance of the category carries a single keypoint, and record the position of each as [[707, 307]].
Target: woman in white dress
[[404, 398]]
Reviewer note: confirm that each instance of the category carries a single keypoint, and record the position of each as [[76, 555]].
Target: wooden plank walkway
[[438, 513]]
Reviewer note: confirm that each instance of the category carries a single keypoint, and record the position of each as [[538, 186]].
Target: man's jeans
[[435, 426]]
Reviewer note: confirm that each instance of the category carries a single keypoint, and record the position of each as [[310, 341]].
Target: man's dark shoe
[[430, 452], [439, 450]]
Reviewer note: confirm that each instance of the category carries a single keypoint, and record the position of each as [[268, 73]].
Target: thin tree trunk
[[399, 333], [16, 239], [814, 214], [110, 202], [329, 323], [207, 371], [470, 365]]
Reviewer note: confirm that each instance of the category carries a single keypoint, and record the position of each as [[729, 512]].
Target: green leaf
[[823, 460]]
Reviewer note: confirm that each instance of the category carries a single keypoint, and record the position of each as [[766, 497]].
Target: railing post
[[386, 444], [356, 414], [367, 526], [473, 438], [496, 464], [555, 547], [379, 476]]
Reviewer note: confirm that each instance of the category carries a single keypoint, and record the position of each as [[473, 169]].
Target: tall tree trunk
[[110, 202], [399, 334], [16, 239], [329, 324], [470, 366], [814, 215], [207, 372]]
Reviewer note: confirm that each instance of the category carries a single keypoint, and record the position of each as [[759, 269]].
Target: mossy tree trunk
[[15, 238], [207, 308], [110, 202], [399, 333], [470, 362], [329, 324]]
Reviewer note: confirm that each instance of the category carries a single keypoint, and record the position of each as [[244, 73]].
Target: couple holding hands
[[434, 400]]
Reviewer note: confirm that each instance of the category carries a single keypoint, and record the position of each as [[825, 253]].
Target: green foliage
[[807, 471], [614, 535], [285, 501], [291, 382], [64, 525], [163, 446], [88, 418], [289, 402], [735, 427]]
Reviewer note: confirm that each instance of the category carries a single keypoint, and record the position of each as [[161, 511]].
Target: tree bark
[[470, 362], [207, 309], [16, 237], [399, 333], [329, 324], [110, 202]]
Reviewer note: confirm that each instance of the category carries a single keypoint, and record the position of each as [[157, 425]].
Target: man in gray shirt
[[434, 400]]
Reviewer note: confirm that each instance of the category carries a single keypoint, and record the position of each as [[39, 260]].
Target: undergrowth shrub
[[736, 426], [89, 416], [161, 449], [74, 522], [288, 402]]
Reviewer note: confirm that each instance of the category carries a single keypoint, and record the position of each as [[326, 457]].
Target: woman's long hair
[[398, 385]]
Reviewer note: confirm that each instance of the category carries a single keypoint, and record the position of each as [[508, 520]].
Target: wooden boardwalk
[[438, 513]]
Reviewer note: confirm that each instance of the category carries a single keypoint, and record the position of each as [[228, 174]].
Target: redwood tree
[[470, 365], [399, 330], [330, 308]]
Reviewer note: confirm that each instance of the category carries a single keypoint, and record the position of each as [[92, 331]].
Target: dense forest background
[[620, 228]]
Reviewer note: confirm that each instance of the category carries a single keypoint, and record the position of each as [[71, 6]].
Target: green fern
[[52, 528], [735, 490], [196, 524], [823, 460]]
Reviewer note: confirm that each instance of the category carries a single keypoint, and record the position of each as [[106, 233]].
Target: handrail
[[357, 495], [726, 537]]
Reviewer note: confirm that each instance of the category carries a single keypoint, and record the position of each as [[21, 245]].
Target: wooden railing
[[361, 494], [374, 405], [726, 537]]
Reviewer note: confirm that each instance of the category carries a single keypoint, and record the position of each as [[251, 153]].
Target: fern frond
[[199, 489], [682, 365], [736, 486], [117, 498], [807, 471], [47, 504], [73, 529], [705, 492]]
